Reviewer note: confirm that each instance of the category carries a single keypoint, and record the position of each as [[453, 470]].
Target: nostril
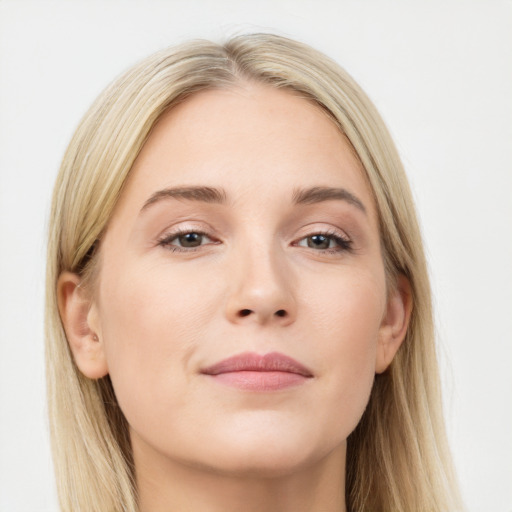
[[247, 312]]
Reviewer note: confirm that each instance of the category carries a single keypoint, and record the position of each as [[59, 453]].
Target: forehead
[[251, 140]]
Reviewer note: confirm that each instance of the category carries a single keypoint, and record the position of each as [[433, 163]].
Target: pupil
[[190, 239], [320, 241]]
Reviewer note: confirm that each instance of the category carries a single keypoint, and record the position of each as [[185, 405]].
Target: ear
[[394, 324], [81, 322]]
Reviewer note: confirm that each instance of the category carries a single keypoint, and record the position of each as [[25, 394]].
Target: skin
[[157, 317]]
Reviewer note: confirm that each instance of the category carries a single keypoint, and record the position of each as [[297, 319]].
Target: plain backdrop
[[440, 72]]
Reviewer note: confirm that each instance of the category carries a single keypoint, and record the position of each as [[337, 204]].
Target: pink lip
[[254, 372]]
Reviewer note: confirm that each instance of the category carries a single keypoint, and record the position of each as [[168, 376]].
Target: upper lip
[[250, 361]]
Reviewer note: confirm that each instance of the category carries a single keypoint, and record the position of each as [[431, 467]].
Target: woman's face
[[279, 257]]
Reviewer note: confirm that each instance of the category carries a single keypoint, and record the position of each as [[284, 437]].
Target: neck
[[165, 485]]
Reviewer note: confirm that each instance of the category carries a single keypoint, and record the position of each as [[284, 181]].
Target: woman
[[238, 308]]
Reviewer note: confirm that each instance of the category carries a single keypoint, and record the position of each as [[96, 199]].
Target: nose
[[261, 290]]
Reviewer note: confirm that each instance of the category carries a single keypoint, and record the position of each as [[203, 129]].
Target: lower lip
[[260, 381]]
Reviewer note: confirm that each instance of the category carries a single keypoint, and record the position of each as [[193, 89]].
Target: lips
[[251, 371]]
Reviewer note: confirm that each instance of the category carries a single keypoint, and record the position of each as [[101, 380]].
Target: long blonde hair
[[398, 458]]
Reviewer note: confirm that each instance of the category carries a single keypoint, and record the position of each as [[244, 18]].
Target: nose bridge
[[262, 284]]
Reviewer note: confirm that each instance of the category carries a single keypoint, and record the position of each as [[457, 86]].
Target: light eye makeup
[[191, 240], [330, 242]]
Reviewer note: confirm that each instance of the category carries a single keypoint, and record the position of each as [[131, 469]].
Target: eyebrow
[[319, 194], [195, 193], [300, 196]]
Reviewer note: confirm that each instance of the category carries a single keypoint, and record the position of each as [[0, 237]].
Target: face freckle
[[256, 285]]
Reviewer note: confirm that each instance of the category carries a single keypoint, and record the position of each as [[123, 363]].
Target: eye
[[327, 242], [184, 240]]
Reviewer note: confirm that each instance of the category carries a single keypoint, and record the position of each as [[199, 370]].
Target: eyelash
[[344, 244]]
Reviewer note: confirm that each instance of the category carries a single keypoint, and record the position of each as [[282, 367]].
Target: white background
[[440, 72]]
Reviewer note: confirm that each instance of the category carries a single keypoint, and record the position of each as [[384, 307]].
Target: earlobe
[[80, 319], [394, 324]]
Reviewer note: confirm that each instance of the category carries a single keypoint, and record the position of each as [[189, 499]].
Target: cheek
[[350, 315], [349, 311], [151, 325], [156, 307]]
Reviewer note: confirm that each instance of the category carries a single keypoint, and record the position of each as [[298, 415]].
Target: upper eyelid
[[175, 234], [205, 231], [175, 231], [329, 232]]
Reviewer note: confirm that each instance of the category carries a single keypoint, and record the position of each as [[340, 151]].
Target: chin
[[262, 453]]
